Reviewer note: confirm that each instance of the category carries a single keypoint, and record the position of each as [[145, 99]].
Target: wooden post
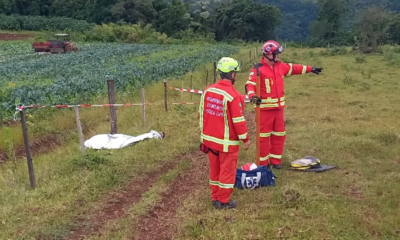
[[207, 78], [182, 91], [215, 72], [191, 86], [143, 109], [165, 95], [27, 149], [250, 55], [80, 132], [258, 122], [113, 112]]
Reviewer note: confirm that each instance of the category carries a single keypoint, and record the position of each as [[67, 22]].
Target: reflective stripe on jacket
[[272, 89], [222, 123]]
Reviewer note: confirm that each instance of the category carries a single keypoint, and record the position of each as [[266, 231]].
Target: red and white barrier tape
[[102, 105], [187, 90], [246, 98]]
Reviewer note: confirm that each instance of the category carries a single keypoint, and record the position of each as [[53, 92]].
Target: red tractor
[[61, 45]]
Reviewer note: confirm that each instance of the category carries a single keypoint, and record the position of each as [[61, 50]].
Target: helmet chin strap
[[273, 59]]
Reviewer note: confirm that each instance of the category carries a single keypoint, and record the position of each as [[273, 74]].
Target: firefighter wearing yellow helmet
[[223, 127]]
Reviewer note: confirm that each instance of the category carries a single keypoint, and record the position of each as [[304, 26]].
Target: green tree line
[[236, 19], [365, 28], [363, 23]]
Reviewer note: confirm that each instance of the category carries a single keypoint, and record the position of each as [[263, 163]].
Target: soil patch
[[116, 204], [163, 215], [38, 146], [14, 36]]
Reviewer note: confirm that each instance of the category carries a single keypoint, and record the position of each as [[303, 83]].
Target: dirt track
[[40, 145], [162, 216], [14, 36]]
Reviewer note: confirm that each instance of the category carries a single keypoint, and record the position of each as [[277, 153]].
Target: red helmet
[[271, 47]]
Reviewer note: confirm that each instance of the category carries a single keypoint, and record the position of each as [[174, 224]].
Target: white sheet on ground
[[117, 141]]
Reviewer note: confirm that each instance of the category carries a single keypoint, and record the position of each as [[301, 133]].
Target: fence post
[[111, 100], [215, 72], [250, 55], [191, 86], [79, 125], [182, 92], [143, 109], [27, 148], [207, 78], [165, 95]]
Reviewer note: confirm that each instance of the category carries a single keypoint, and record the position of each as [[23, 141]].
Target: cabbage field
[[29, 78]]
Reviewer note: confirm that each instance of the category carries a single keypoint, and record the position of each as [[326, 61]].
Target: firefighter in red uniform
[[271, 72], [223, 127]]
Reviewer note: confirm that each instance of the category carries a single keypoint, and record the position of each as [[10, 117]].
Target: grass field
[[347, 117]]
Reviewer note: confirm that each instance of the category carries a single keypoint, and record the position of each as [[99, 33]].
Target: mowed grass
[[347, 116]]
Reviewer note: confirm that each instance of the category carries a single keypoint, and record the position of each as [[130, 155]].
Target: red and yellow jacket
[[222, 123], [272, 82]]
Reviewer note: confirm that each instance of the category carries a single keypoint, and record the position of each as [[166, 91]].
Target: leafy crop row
[[30, 78]]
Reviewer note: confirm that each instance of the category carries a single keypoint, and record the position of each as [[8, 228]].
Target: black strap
[[213, 152]]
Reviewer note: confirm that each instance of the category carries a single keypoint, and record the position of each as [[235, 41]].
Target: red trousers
[[272, 136], [222, 175]]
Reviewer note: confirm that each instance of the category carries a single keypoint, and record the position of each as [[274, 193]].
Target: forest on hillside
[[317, 22]]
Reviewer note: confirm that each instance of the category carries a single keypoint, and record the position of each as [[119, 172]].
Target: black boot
[[276, 166], [216, 203], [230, 204]]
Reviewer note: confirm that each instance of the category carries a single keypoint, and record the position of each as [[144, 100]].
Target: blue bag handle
[[255, 184]]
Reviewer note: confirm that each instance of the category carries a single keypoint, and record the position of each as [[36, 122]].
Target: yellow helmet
[[227, 64]]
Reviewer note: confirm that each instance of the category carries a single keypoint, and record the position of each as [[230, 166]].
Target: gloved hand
[[316, 70], [255, 100], [247, 145]]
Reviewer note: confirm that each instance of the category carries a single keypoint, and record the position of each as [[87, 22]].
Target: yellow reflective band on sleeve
[[238, 119], [220, 92], [201, 110], [265, 134], [282, 99], [251, 82], [290, 70], [275, 156], [267, 86], [263, 105], [263, 159], [242, 136], [281, 134], [225, 185], [226, 133], [250, 92], [304, 70], [214, 183], [283, 103], [269, 100]]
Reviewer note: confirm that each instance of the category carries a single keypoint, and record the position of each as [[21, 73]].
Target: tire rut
[[116, 204], [162, 216]]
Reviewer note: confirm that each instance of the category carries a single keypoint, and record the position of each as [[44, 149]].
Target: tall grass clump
[[129, 33]]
